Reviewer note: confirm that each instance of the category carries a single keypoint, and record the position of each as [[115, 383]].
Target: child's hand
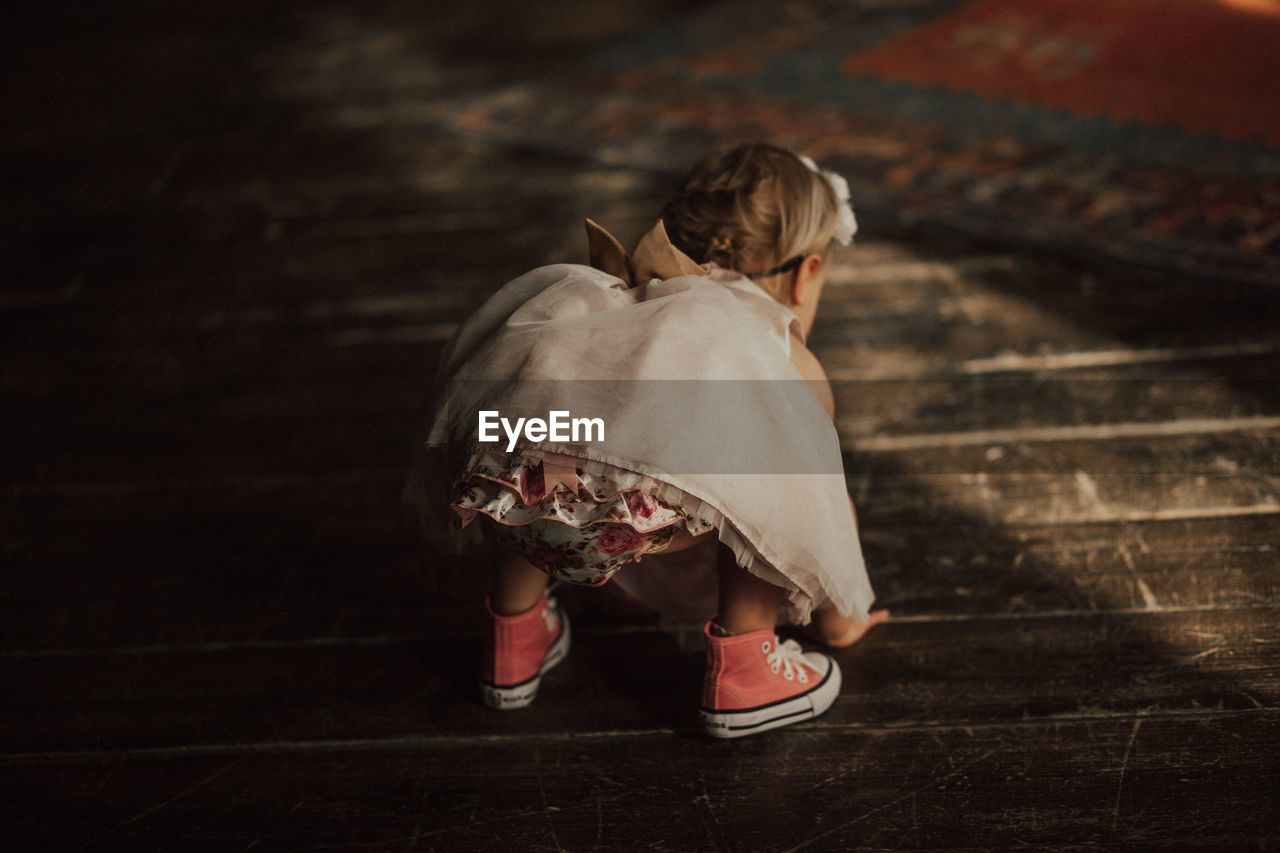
[[838, 632]]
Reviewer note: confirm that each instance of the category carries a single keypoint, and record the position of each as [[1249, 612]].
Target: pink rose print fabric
[[582, 536]]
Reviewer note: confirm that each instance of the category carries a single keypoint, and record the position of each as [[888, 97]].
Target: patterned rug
[[1140, 130]]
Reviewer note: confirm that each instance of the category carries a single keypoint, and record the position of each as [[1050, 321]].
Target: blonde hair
[[750, 209]]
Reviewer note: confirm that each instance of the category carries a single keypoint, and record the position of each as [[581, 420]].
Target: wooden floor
[[234, 242]]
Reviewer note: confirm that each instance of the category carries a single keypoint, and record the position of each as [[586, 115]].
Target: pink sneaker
[[754, 683], [519, 651]]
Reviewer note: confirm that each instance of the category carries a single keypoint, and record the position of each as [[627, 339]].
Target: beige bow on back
[[654, 257]]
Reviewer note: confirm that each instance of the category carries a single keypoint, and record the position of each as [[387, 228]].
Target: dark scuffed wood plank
[[943, 408], [1121, 783], [1002, 482], [956, 568], [907, 674], [1209, 447], [934, 304], [338, 556]]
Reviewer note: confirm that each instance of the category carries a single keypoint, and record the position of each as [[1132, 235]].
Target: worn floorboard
[[1116, 783], [923, 672]]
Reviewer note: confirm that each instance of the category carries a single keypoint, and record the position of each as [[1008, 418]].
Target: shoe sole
[[749, 721], [512, 696]]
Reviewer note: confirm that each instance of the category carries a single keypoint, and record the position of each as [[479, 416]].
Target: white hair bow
[[847, 223]]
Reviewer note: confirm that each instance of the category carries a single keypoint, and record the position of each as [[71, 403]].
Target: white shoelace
[[549, 617], [789, 657]]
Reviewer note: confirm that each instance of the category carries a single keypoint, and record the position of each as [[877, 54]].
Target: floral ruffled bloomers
[[576, 521]]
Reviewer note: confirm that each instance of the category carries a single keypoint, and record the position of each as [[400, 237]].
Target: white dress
[[688, 369]]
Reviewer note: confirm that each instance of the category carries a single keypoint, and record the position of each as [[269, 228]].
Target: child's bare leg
[[683, 539], [515, 584], [747, 603]]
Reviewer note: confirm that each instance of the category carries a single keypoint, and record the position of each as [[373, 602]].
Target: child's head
[[753, 209]]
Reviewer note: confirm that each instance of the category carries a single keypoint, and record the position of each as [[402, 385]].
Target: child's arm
[[809, 367], [828, 626]]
